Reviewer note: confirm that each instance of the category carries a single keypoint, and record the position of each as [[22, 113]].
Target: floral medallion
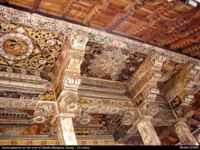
[[15, 46]]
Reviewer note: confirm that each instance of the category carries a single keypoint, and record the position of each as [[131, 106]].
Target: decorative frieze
[[19, 104], [66, 28]]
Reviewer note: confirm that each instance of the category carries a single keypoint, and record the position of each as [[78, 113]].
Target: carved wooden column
[[68, 99], [66, 133], [184, 134], [144, 85], [183, 85], [147, 131], [145, 95]]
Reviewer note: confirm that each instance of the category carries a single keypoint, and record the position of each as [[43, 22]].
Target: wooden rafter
[[178, 25], [129, 10], [67, 6], [36, 5], [95, 10]]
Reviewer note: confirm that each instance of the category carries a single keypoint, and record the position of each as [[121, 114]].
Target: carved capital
[[46, 109], [78, 40], [68, 102], [149, 108], [129, 118], [71, 81], [157, 60]]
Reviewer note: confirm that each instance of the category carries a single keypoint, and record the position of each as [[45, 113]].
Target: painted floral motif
[[110, 62], [29, 48]]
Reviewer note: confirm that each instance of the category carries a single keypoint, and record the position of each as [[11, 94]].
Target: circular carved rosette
[[39, 119], [15, 46], [84, 119]]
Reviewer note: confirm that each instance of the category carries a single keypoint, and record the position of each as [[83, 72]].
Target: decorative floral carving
[[84, 118], [29, 48], [110, 62], [15, 46]]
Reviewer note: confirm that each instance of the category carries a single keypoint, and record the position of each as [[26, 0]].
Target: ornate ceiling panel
[[30, 49], [29, 53], [110, 62], [173, 25], [27, 121]]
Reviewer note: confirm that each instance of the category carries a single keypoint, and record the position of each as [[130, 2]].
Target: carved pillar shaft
[[184, 134], [68, 100], [78, 41], [66, 133], [147, 132]]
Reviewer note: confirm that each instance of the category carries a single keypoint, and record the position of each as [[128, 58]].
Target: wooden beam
[[183, 84], [147, 75]]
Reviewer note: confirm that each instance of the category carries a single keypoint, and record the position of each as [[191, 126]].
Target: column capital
[[72, 81], [78, 39], [157, 60], [68, 102]]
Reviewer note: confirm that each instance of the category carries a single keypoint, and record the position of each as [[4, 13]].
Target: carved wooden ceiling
[[172, 25]]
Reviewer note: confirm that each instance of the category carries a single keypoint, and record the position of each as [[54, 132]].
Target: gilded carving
[[47, 96], [15, 46], [29, 48]]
